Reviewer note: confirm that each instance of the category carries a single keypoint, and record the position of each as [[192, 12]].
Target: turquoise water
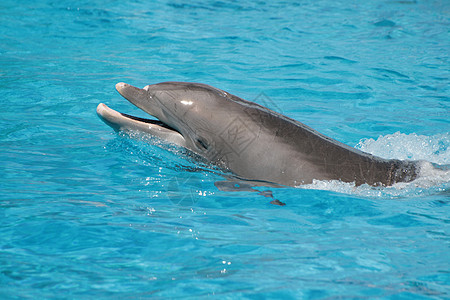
[[88, 213]]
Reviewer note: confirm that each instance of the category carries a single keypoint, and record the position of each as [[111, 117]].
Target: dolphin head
[[191, 115]]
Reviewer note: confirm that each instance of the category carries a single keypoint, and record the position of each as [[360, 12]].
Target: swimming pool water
[[85, 212]]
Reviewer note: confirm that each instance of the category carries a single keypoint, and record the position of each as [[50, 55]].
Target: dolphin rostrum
[[250, 140]]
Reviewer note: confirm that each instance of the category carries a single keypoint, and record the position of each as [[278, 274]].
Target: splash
[[434, 149], [142, 146], [433, 152]]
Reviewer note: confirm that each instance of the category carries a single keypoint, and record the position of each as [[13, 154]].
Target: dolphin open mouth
[[124, 122], [121, 121]]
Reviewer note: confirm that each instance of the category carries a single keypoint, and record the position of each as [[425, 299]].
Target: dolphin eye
[[202, 144]]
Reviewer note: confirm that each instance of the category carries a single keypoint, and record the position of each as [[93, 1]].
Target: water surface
[[89, 213]]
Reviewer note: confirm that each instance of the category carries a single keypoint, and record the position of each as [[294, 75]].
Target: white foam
[[433, 177], [435, 149]]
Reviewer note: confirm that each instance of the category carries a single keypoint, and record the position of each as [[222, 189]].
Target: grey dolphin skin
[[252, 141]]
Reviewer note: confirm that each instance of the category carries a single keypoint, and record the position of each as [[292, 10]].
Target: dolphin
[[250, 140]]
